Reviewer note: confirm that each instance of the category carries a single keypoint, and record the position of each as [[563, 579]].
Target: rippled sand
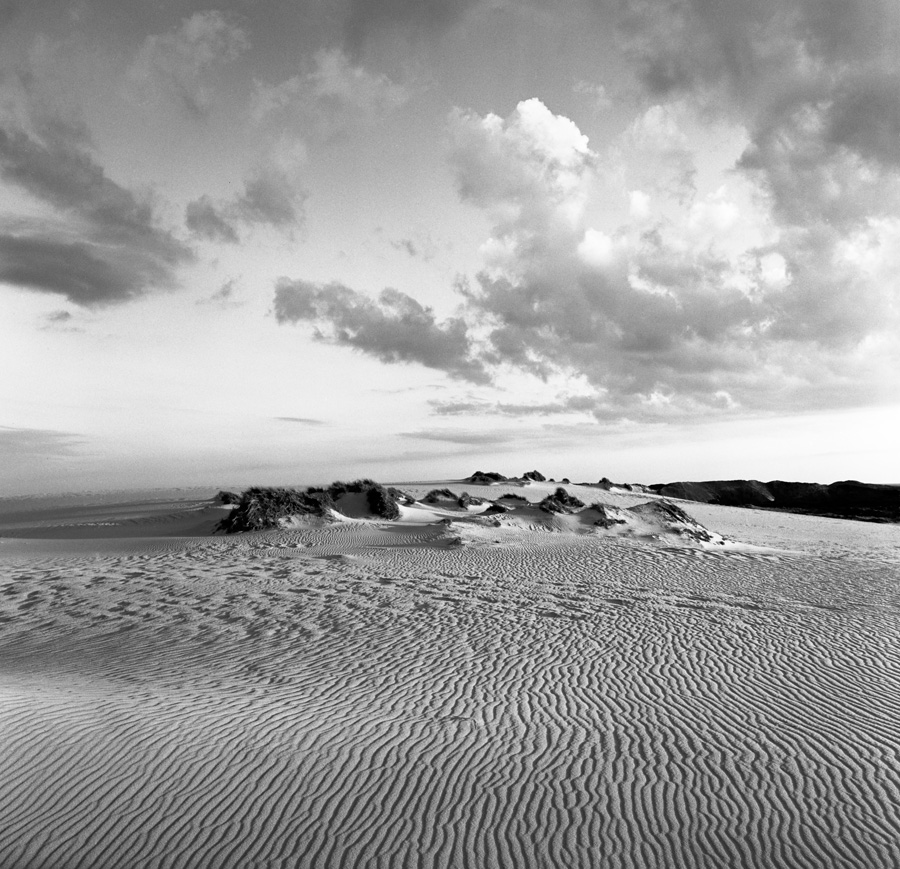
[[365, 695]]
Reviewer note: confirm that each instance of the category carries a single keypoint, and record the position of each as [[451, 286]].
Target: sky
[[282, 242]]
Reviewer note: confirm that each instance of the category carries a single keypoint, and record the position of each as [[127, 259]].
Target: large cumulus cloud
[[698, 310], [816, 86], [660, 317]]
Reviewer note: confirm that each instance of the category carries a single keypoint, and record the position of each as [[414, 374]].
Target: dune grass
[[263, 507]]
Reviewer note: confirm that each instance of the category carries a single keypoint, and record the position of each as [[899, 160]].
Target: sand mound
[[358, 693], [654, 521]]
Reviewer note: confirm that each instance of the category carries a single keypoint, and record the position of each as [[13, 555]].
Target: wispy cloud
[[20, 443], [418, 18], [178, 66], [207, 220], [300, 420], [272, 196], [574, 404], [419, 245], [224, 297], [330, 96], [597, 92], [467, 438], [59, 321]]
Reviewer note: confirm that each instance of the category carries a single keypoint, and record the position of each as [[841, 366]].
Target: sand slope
[[361, 694]]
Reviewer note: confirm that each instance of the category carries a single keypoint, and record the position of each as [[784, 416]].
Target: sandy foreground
[[418, 694]]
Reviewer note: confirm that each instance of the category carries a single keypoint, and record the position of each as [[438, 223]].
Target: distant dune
[[528, 676], [847, 499]]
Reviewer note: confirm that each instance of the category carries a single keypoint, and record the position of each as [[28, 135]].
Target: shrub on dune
[[466, 500], [382, 503], [436, 495], [262, 507], [497, 508], [400, 495], [561, 502], [534, 476], [486, 478]]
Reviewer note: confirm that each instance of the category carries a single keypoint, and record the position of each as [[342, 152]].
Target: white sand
[[416, 695]]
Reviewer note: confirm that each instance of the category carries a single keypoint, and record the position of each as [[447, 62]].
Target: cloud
[[224, 297], [178, 65], [776, 287], [597, 92], [332, 95], [108, 247], [59, 321], [206, 220], [272, 197], [816, 85], [660, 158], [70, 269], [569, 405], [534, 162], [406, 244], [300, 420], [663, 318], [20, 443], [468, 438], [417, 18], [422, 246], [395, 328], [726, 302]]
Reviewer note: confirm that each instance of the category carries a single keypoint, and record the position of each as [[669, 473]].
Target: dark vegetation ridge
[[262, 507], [847, 499]]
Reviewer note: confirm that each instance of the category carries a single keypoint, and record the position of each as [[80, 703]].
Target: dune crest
[[559, 510]]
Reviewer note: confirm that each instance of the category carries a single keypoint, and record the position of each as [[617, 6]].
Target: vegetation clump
[[382, 503], [436, 495], [486, 478], [466, 500], [534, 476], [560, 502], [263, 507], [400, 495], [223, 497]]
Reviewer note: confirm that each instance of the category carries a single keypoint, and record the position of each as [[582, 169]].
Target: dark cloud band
[[395, 328]]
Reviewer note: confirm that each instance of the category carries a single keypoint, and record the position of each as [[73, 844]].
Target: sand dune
[[353, 693]]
